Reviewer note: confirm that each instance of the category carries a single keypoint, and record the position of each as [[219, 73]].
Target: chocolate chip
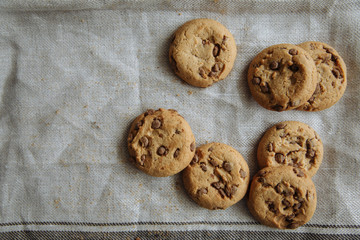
[[242, 173], [203, 42], [192, 146], [256, 80], [230, 191], [278, 188], [262, 173], [278, 108], [215, 68], [271, 147], [274, 65], [177, 131], [336, 73], [216, 185], [212, 74], [271, 207], [156, 123], [261, 180], [161, 151], [138, 125], [280, 126], [294, 68], [222, 192], [290, 218], [203, 166], [216, 50], [298, 172], [297, 206], [176, 153], [210, 149], [293, 225], [202, 72], [227, 166], [293, 51], [144, 141], [149, 112], [195, 159], [334, 58], [279, 157], [142, 159], [202, 191], [310, 152], [264, 87], [213, 162], [286, 203]]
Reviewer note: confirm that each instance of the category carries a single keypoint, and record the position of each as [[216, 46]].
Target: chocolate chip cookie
[[282, 77], [291, 143], [217, 177], [282, 197], [161, 142], [202, 52], [332, 81]]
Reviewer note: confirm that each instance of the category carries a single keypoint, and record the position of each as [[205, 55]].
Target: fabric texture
[[73, 76]]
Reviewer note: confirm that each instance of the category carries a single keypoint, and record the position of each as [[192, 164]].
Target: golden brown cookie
[[217, 177], [161, 142], [332, 76], [202, 52], [291, 143], [282, 77], [282, 197]]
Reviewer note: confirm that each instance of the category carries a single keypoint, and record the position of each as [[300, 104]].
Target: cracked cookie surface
[[332, 80], [282, 197], [202, 52], [291, 143], [217, 177], [161, 142], [282, 77]]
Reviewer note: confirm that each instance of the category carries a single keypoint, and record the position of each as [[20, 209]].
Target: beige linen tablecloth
[[75, 73]]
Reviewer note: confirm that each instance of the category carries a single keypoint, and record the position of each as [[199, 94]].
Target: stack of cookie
[[310, 76], [282, 194], [162, 144]]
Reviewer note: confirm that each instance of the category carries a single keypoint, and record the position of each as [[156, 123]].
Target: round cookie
[[291, 143], [161, 142], [217, 177], [282, 197], [332, 76], [282, 77], [202, 52]]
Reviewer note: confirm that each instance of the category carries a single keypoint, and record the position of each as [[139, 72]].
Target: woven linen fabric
[[73, 76]]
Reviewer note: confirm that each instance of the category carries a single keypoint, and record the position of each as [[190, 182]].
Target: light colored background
[[73, 75]]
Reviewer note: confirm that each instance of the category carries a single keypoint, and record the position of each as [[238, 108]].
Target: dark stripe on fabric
[[173, 235], [92, 224]]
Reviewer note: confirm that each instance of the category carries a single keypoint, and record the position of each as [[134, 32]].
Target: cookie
[[282, 197], [332, 76], [202, 52], [291, 143], [282, 77], [217, 177], [161, 142]]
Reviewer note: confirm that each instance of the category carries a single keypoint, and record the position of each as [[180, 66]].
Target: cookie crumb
[[57, 111], [190, 92], [179, 13]]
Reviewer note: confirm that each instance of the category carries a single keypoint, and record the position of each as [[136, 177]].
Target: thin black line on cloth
[[163, 235], [164, 223]]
